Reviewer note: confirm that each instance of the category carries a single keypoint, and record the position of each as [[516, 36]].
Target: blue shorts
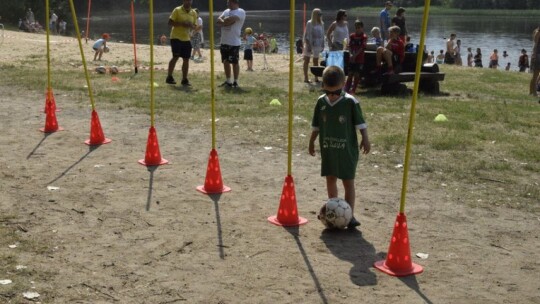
[[181, 48], [230, 53]]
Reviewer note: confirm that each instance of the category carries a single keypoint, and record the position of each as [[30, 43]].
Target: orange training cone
[[153, 155], [51, 124], [49, 98], [213, 184], [398, 261], [288, 212], [96, 133]]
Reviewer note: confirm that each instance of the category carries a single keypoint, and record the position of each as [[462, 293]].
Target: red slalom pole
[[134, 37], [304, 24], [88, 20]]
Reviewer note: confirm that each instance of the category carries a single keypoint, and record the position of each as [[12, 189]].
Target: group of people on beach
[[30, 24], [389, 39], [453, 56]]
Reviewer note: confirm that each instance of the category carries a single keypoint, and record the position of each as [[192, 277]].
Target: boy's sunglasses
[[336, 92]]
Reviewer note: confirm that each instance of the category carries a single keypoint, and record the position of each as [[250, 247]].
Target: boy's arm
[[365, 145], [314, 135]]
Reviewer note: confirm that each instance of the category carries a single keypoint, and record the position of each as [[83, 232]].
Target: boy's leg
[[316, 63], [388, 58], [379, 56], [356, 80], [331, 186], [350, 194], [348, 83]]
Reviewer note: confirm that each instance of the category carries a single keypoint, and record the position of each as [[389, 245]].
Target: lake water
[[485, 32]]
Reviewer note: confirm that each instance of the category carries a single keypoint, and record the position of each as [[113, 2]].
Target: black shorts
[[181, 48], [230, 53], [356, 67], [248, 54]]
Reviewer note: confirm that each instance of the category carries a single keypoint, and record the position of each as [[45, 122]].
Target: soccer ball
[[335, 213], [114, 70], [106, 49]]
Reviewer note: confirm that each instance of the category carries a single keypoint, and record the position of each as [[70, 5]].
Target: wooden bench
[[392, 84]]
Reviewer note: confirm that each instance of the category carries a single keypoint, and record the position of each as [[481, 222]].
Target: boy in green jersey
[[336, 117]]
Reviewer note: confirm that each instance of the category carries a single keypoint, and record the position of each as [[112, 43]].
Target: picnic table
[[430, 75]]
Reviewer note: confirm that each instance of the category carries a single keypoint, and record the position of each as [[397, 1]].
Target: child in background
[[273, 44], [431, 57], [393, 54], [457, 53], [507, 68], [337, 116], [523, 62], [440, 57], [470, 57], [478, 58], [376, 37], [100, 46], [163, 39], [357, 47], [197, 38], [494, 59], [248, 49]]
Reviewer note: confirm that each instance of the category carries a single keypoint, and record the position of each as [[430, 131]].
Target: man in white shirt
[[231, 22]]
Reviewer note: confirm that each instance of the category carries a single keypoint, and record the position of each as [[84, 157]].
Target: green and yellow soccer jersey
[[337, 124], [179, 14]]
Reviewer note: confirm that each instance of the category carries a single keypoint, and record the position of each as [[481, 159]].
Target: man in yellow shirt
[[183, 19]]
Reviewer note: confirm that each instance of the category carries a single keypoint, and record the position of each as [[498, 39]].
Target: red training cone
[[287, 214], [49, 98], [96, 133], [398, 261], [51, 124], [153, 155], [213, 184]]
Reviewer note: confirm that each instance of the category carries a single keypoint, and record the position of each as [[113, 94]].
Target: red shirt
[[357, 46], [398, 48]]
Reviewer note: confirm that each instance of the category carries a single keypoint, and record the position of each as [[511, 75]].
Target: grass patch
[[492, 128]]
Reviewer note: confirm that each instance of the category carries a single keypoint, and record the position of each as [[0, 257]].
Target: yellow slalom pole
[[291, 89], [212, 80], [76, 24], [413, 106], [48, 46], [151, 8]]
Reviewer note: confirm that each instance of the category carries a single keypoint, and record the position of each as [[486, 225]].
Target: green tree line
[[12, 10]]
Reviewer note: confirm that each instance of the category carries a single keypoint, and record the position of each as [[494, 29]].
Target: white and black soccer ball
[[335, 213]]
